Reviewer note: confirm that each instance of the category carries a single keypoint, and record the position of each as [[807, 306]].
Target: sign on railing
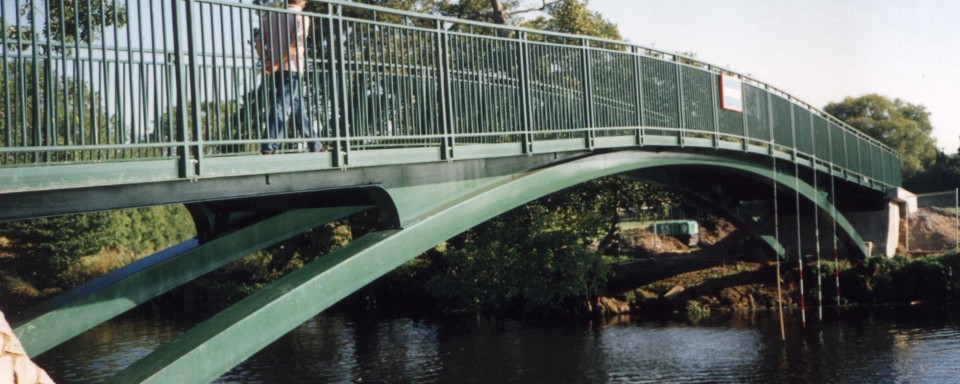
[[731, 93], [180, 81]]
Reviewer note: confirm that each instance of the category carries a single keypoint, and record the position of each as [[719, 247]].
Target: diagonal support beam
[[221, 342], [73, 312], [218, 344]]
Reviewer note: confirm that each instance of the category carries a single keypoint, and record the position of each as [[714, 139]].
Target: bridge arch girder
[[249, 325], [767, 241], [636, 164]]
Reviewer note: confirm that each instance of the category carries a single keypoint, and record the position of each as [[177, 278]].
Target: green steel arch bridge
[[435, 124]]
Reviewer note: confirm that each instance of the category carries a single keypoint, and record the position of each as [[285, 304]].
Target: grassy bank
[[743, 286]]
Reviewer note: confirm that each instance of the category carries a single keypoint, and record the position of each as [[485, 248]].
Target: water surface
[[916, 345]]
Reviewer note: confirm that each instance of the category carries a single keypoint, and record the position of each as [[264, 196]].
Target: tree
[[535, 259], [31, 84], [68, 20], [45, 248], [900, 125], [943, 174], [573, 17]]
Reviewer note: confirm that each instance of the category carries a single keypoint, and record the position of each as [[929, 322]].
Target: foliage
[[543, 257], [573, 17], [43, 108], [943, 174], [903, 126], [35, 119], [695, 311], [535, 258], [539, 257], [145, 230], [68, 20], [62, 22], [903, 280], [45, 248]]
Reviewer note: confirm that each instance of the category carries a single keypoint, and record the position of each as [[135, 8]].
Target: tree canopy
[[896, 123], [572, 16]]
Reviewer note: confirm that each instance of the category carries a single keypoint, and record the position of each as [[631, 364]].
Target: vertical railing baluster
[[525, 85], [745, 120], [813, 144], [861, 160], [20, 87], [715, 107], [333, 27], [793, 133], [50, 101], [846, 157], [38, 139], [5, 70], [196, 149], [638, 88], [442, 63], [337, 36], [772, 138], [587, 73], [183, 150], [681, 120]]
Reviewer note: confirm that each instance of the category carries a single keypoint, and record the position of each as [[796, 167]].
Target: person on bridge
[[281, 45]]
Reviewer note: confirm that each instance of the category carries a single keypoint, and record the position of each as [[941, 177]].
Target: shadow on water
[[882, 344]]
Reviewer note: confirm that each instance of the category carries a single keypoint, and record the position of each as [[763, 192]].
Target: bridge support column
[[882, 228]]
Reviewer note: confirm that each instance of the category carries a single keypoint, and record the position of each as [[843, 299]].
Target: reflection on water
[[879, 345]]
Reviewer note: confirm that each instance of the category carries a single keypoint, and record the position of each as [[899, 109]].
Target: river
[[876, 345]]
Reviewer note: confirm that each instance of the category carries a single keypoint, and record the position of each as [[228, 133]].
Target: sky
[[820, 51]]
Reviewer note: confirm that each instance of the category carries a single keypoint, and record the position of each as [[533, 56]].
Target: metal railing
[[180, 82]]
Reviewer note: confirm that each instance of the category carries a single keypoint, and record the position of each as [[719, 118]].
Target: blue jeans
[[286, 104]]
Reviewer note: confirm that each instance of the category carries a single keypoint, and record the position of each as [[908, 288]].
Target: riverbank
[[721, 274], [748, 286]]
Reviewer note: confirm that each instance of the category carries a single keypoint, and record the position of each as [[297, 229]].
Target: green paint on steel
[[84, 307], [606, 164], [769, 241], [391, 84], [226, 339]]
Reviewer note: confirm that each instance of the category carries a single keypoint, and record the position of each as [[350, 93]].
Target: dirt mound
[[930, 229], [713, 230], [644, 241]]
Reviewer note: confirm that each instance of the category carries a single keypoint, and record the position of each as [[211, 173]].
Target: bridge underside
[[420, 205]]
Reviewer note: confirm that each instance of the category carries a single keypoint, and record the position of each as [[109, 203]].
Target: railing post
[[338, 74], [638, 89], [833, 160], [443, 92], [35, 117], [525, 84], [860, 169], [715, 104], [187, 100], [773, 137], [587, 92], [681, 121], [813, 144], [744, 122], [793, 134]]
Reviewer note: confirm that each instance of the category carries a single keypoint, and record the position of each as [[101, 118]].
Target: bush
[[923, 279], [45, 248]]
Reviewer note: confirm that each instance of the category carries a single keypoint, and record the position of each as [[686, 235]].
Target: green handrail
[[181, 83]]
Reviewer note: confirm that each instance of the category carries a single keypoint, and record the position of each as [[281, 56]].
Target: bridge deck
[[178, 94]]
